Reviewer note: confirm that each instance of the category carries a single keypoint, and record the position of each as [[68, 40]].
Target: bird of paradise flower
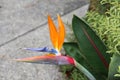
[[54, 56]]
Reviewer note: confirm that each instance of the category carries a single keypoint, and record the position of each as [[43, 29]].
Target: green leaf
[[91, 48], [113, 69], [72, 49]]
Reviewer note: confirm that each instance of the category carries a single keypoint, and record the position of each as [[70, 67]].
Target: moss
[[107, 26], [118, 74]]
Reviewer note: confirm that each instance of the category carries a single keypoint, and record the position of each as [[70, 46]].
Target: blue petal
[[43, 49]]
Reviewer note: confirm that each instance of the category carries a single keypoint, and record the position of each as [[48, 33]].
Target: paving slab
[[31, 35], [18, 17]]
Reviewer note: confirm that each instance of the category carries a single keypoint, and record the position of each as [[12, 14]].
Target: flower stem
[[84, 71]]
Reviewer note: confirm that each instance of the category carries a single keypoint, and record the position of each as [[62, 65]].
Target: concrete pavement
[[23, 23]]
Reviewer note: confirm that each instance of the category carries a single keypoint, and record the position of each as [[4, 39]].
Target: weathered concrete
[[20, 16], [23, 23]]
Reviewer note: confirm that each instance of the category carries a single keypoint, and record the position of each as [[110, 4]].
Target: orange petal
[[61, 34], [53, 32]]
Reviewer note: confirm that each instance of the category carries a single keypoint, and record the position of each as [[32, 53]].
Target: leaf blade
[[72, 49], [91, 46]]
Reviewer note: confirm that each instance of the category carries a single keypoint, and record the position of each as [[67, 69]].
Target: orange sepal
[[57, 35], [53, 32], [61, 33]]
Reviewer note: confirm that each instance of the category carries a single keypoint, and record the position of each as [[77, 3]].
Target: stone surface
[[23, 23], [18, 17]]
